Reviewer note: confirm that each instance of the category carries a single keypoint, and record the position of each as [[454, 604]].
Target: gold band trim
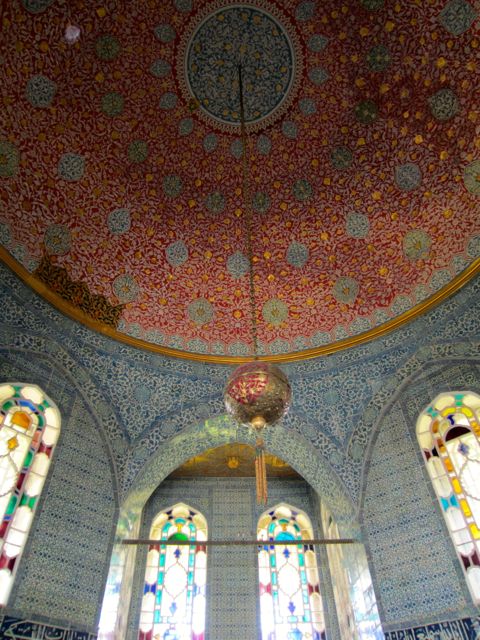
[[72, 312]]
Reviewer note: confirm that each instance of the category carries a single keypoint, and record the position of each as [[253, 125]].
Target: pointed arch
[[290, 600], [173, 603], [29, 430], [448, 432]]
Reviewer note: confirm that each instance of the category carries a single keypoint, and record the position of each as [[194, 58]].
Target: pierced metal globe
[[257, 394]]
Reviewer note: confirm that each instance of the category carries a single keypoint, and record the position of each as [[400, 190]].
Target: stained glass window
[[448, 432], [29, 430], [173, 604], [290, 601]]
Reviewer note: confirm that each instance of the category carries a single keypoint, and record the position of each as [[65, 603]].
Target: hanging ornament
[[258, 395]]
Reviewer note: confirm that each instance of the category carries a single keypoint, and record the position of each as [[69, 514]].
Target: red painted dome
[[120, 162]]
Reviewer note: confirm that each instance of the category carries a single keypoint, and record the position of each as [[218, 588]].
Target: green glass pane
[[41, 421], [24, 500], [28, 458], [301, 560], [162, 559], [190, 577], [11, 505], [31, 502], [8, 405], [179, 536]]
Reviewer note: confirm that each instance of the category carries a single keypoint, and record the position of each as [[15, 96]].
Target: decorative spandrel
[[290, 600], [448, 432], [173, 603]]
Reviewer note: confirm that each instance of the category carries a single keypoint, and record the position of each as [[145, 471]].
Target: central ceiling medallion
[[257, 36]]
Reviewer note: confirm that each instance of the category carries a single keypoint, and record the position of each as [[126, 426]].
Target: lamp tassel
[[261, 472]]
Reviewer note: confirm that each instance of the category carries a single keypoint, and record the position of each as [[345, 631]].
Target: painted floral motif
[[168, 101], [297, 254], [9, 158], [57, 239], [71, 167], [261, 202], [305, 11], [345, 290], [290, 129], [408, 176], [177, 253], [215, 202], [357, 225], [107, 47], [341, 158], [416, 244], [200, 311], [317, 43], [236, 149], [372, 5], [307, 106], [184, 6], [210, 142], [138, 151], [125, 288], [256, 38], [275, 311], [473, 247], [40, 91], [238, 265], [302, 190], [165, 33], [160, 68], [112, 104], [119, 221], [264, 145], [379, 58], [366, 112], [185, 126], [5, 234], [457, 16], [172, 186], [444, 104], [318, 75], [471, 177], [36, 6]]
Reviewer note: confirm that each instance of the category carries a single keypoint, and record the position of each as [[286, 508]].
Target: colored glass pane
[[287, 608], [177, 575], [23, 470], [455, 472]]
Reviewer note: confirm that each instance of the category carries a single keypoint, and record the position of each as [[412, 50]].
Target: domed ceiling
[[121, 162]]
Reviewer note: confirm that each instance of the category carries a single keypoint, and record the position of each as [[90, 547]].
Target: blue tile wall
[[148, 413], [230, 508]]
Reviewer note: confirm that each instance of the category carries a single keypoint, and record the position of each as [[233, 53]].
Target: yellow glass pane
[[465, 508], [21, 419], [441, 446], [448, 411], [435, 426], [467, 412], [457, 487], [448, 464], [475, 531]]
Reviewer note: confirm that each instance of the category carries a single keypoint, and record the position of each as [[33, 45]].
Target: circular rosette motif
[[9, 158], [257, 394], [271, 56]]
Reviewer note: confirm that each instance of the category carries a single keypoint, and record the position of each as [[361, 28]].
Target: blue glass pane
[[284, 535]]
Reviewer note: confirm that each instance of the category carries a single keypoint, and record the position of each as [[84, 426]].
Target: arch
[[175, 576], [29, 431], [290, 600], [448, 433]]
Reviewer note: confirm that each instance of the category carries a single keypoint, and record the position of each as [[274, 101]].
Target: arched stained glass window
[[173, 604], [448, 432], [29, 430], [290, 601]]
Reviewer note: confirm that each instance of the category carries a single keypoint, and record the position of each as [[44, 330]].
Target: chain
[[249, 218]]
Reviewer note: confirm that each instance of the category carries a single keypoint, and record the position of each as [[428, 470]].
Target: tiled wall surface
[[417, 574], [229, 506], [63, 570]]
